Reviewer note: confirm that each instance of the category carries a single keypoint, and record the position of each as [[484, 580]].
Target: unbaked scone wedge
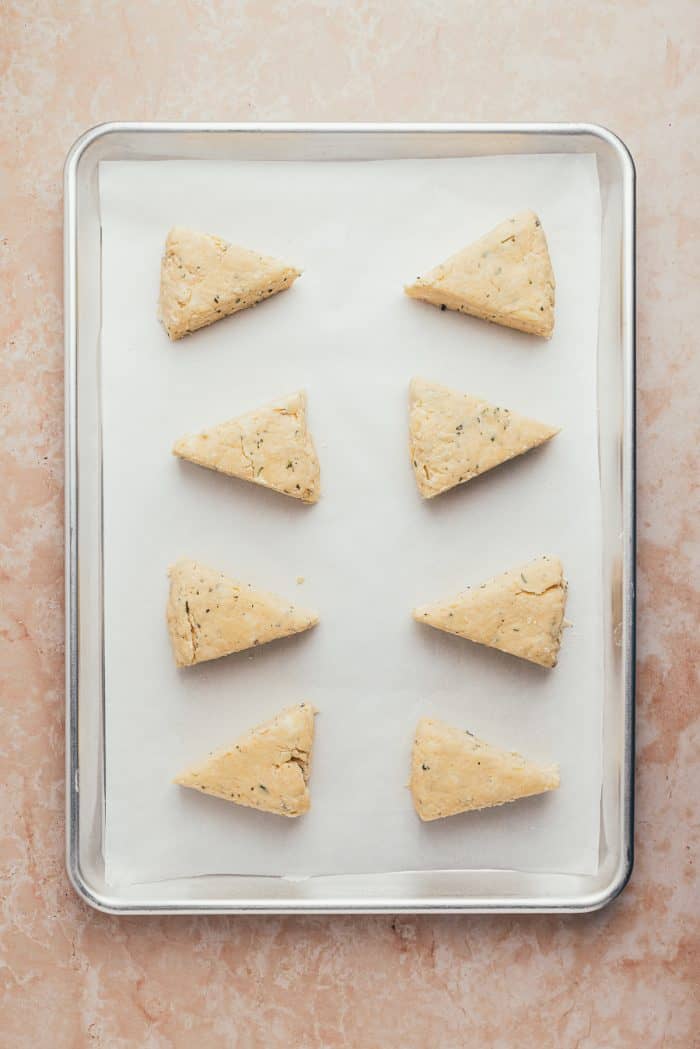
[[210, 615], [454, 437], [204, 278], [270, 446], [267, 768], [506, 277], [452, 771], [520, 612]]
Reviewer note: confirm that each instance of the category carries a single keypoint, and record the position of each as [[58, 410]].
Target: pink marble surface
[[72, 977]]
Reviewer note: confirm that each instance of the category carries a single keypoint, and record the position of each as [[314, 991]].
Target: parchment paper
[[371, 549]]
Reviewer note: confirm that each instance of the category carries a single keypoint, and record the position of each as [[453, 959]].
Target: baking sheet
[[371, 549]]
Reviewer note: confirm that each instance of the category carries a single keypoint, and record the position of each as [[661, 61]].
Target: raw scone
[[455, 437], [203, 279], [505, 277], [452, 771], [210, 615], [270, 446], [267, 768], [520, 612]]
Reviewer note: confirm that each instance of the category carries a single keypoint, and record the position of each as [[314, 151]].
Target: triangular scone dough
[[270, 446], [520, 612], [455, 437], [267, 768], [210, 615], [505, 277], [203, 279], [453, 771]]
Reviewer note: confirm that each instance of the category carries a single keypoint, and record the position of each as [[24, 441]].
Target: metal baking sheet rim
[[133, 903]]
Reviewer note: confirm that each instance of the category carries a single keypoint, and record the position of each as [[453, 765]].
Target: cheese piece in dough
[[267, 768], [506, 277], [210, 615], [270, 446], [203, 279], [452, 771], [520, 612], [454, 437]]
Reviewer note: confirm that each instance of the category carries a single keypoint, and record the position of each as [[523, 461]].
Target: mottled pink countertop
[[69, 976]]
